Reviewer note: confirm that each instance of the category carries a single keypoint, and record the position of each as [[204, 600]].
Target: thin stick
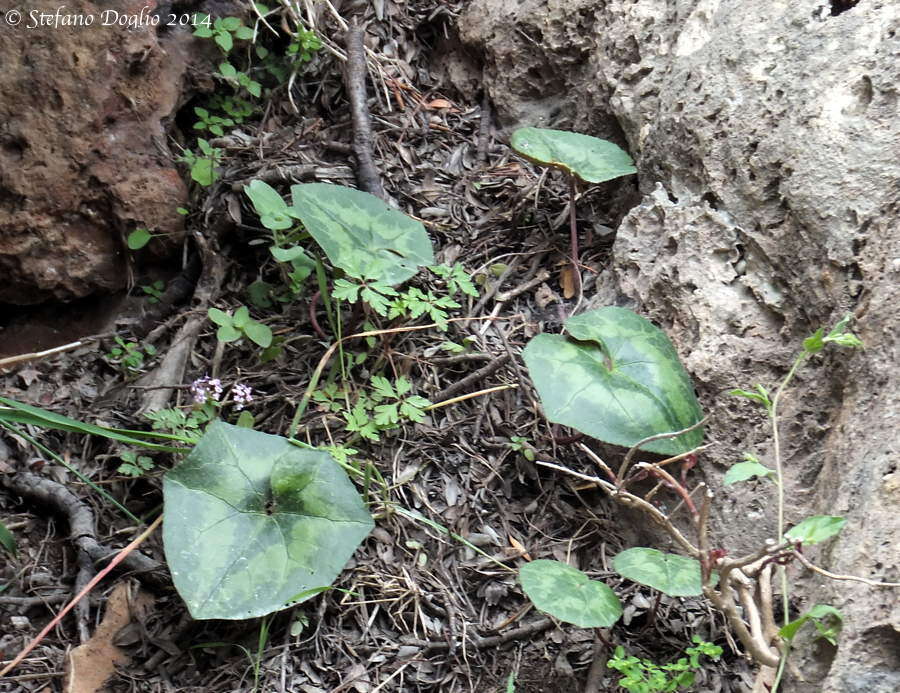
[[649, 439], [573, 242], [598, 461], [97, 578], [629, 499], [470, 395], [834, 576], [39, 354], [673, 484], [703, 533], [355, 80]]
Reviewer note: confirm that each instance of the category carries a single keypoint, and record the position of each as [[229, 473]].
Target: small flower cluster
[[242, 395], [205, 389]]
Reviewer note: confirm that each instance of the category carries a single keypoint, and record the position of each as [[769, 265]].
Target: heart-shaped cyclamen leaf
[[671, 574], [569, 595], [591, 159], [616, 378], [361, 234], [252, 521]]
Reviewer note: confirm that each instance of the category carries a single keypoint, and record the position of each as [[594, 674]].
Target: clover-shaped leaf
[[252, 521]]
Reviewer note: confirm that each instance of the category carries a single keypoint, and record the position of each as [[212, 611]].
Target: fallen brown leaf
[[89, 665], [567, 281]]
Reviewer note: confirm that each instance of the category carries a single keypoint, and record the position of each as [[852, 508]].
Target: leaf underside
[[591, 159], [251, 521]]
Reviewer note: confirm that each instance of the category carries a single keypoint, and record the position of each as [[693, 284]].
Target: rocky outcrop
[[83, 154], [766, 137]]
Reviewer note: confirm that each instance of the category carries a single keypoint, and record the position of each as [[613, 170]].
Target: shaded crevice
[[841, 6]]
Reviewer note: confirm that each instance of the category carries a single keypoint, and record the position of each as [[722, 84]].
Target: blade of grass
[[19, 412], [47, 451]]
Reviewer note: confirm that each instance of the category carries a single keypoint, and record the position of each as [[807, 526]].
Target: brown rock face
[[83, 155], [767, 138]]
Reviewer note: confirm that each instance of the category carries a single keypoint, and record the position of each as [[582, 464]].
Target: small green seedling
[[154, 291], [138, 238], [303, 47], [236, 108], [827, 620], [130, 355], [523, 445], [203, 165], [233, 327], [645, 676], [383, 409], [186, 425], [223, 31], [237, 78], [135, 465], [215, 124]]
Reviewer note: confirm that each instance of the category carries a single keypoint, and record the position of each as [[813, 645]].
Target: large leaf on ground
[[361, 234], [674, 575], [616, 378], [591, 159], [252, 521], [569, 595]]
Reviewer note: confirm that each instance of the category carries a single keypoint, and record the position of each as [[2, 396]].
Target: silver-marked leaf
[[568, 594], [361, 234], [669, 573], [616, 378], [817, 529], [252, 520], [591, 159]]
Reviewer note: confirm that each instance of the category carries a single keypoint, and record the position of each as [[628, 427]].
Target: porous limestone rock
[[767, 140]]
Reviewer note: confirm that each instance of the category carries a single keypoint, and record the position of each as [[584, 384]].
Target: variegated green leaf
[[616, 378], [251, 521], [591, 159], [361, 234], [671, 574], [568, 594]]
